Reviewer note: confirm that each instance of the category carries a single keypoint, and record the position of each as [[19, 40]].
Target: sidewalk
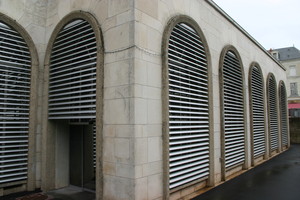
[[276, 179]]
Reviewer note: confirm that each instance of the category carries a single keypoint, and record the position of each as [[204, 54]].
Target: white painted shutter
[[15, 69], [283, 115], [72, 90], [188, 107], [258, 114], [273, 116], [234, 131]]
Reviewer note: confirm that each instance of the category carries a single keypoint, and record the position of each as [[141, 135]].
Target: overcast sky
[[273, 23]]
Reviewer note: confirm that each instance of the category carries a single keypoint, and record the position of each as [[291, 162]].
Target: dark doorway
[[82, 173]]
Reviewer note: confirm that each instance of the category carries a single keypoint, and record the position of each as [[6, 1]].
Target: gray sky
[[273, 23]]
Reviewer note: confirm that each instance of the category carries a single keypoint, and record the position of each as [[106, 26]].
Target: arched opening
[[75, 68], [232, 111], [283, 115], [18, 76], [186, 104], [258, 133], [273, 114]]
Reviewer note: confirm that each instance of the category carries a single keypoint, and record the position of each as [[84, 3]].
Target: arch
[[19, 77], [186, 77], [232, 100], [257, 112], [272, 113], [77, 70], [283, 115]]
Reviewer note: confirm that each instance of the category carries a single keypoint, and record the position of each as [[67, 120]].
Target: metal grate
[[258, 114], [15, 69], [188, 107], [233, 109], [283, 115], [273, 116], [72, 90]]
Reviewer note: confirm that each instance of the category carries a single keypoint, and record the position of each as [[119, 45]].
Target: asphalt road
[[276, 179]]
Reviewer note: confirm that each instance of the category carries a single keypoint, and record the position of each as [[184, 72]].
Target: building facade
[[133, 99], [290, 59]]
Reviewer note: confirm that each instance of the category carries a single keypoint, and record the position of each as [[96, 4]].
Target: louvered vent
[[234, 135], [15, 68], [283, 112], [273, 116], [72, 89], [258, 114], [188, 107]]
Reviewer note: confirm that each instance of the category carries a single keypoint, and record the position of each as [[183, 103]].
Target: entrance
[[81, 167]]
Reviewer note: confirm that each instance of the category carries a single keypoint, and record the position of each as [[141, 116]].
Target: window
[[232, 96], [188, 107], [293, 70], [273, 113], [294, 89], [258, 112], [283, 115], [275, 55], [15, 75], [72, 91]]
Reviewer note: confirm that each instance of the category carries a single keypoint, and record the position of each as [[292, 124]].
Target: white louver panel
[[273, 116], [188, 107], [233, 111], [72, 90], [15, 69], [283, 114], [258, 114]]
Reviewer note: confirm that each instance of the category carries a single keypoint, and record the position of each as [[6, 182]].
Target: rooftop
[[288, 53]]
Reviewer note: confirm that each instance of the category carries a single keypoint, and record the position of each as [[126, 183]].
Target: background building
[[134, 99], [290, 58]]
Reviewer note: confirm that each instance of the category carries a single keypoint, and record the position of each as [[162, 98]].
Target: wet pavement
[[67, 193], [276, 179]]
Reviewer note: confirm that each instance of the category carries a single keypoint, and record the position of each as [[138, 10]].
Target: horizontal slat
[[15, 73], [188, 107]]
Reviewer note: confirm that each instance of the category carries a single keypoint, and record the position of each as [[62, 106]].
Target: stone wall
[[132, 144]]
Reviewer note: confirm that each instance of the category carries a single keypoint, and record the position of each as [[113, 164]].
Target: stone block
[[118, 73], [140, 111], [37, 33], [141, 150], [108, 150], [117, 111], [64, 8], [119, 37], [154, 111], [154, 149], [109, 168], [155, 185], [148, 7], [141, 188], [154, 130], [140, 72], [122, 150], [154, 75], [118, 92], [152, 168], [118, 6], [125, 131], [13, 8], [118, 188], [125, 170]]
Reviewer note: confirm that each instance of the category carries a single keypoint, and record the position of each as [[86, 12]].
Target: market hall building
[[133, 99]]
